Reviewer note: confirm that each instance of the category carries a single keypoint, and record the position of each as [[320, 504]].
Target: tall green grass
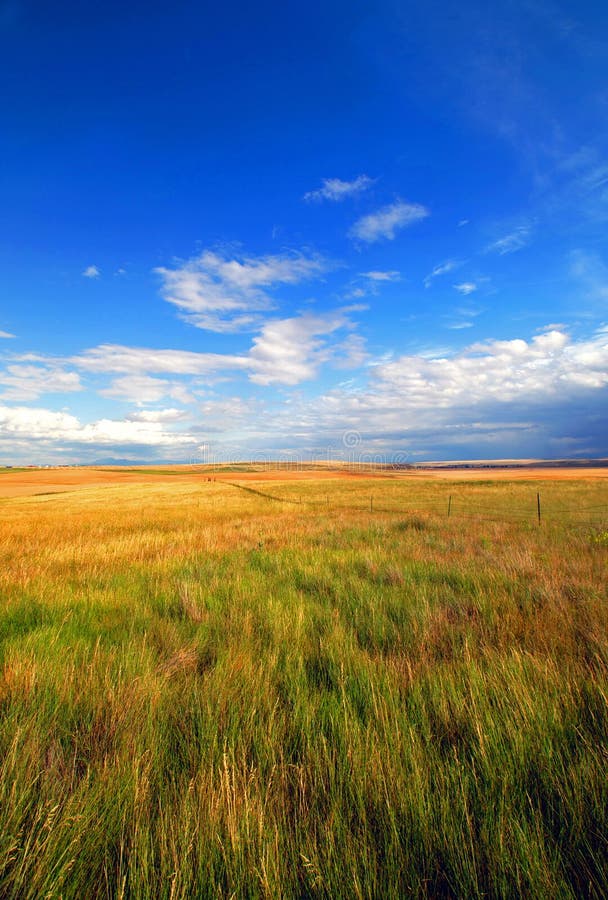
[[209, 693]]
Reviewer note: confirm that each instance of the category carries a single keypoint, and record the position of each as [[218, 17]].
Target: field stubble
[[208, 692]]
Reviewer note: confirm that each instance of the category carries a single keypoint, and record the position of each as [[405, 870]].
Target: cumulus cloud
[[549, 365], [536, 395], [496, 397], [289, 351], [285, 351], [91, 272], [387, 221], [47, 427], [226, 294], [28, 382], [142, 389], [335, 190]]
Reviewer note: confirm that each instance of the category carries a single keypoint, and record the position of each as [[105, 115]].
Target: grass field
[[307, 685]]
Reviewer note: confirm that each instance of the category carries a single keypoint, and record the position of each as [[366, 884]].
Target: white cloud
[[34, 423], [500, 371], [145, 389], [510, 243], [387, 221], [91, 272], [28, 382], [6, 334], [504, 394], [46, 427], [465, 287], [335, 189], [230, 413], [158, 415], [139, 360], [111, 431], [367, 283], [493, 394], [286, 351], [391, 275], [289, 351], [224, 294], [351, 353], [442, 269]]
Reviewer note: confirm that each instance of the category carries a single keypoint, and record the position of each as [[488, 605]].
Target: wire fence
[[535, 509]]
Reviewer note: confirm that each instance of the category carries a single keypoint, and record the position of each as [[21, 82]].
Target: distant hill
[[431, 464]]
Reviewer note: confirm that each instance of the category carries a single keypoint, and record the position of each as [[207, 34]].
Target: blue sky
[[285, 230]]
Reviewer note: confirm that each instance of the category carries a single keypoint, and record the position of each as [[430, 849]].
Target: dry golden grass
[[257, 687]]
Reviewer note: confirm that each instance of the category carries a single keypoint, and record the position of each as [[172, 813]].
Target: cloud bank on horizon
[[264, 284]]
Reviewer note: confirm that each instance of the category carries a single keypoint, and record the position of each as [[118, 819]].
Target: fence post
[[449, 505], [538, 506], [371, 504]]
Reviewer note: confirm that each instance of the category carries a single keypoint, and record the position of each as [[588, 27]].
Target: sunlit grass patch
[[207, 692]]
